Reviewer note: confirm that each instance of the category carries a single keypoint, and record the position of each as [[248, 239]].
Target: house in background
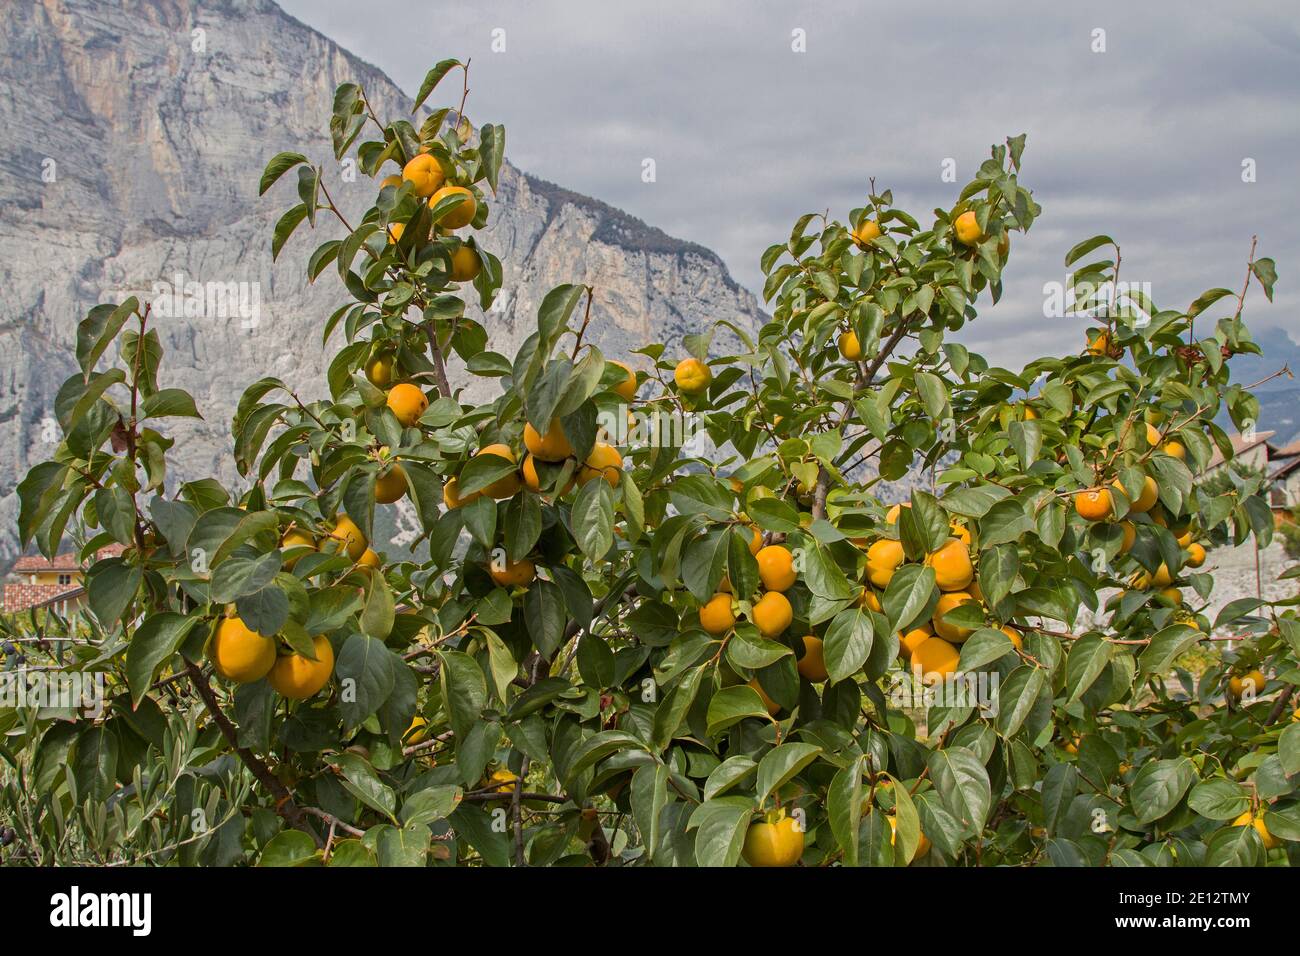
[[1281, 463], [37, 582], [1284, 477]]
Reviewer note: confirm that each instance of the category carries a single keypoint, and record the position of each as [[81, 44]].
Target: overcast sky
[[1144, 141]]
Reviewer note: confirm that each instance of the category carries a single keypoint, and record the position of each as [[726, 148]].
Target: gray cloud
[[1143, 142]]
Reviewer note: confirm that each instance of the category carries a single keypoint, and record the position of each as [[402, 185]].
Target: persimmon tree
[[606, 646]]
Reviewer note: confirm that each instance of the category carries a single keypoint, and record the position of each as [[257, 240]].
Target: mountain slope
[[132, 136]]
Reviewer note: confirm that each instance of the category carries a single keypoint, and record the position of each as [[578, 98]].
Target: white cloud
[[1143, 142]]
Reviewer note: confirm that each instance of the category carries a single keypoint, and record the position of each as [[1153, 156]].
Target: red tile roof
[[38, 562], [20, 597]]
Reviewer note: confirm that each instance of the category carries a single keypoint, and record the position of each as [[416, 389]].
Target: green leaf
[[289, 848], [780, 764], [94, 763], [649, 795], [360, 780], [910, 596], [1085, 247], [593, 519], [464, 688], [963, 785], [728, 774], [1159, 786], [492, 147], [379, 614], [431, 79], [280, 164], [844, 808], [366, 676], [153, 642], [597, 747], [1219, 799], [170, 403], [1288, 749], [721, 824], [732, 705], [1088, 658], [97, 331], [111, 585], [847, 643]]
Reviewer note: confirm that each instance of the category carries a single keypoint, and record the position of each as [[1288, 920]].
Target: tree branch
[[284, 804]]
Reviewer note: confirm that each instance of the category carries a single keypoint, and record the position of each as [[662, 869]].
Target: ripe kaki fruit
[[935, 659], [379, 370], [424, 174], [533, 481], [812, 666], [849, 346], [603, 462], [239, 653], [776, 840], [394, 180], [1099, 344], [503, 778], [692, 376], [909, 642], [922, 845], [967, 228], [891, 516], [776, 567], [369, 559], [296, 538], [717, 617], [1249, 819], [755, 541], [417, 733], [553, 446], [463, 214], [953, 570], [1195, 555], [1146, 500], [297, 677], [626, 388], [394, 231], [349, 537], [1170, 597], [465, 265], [867, 230], [868, 598], [513, 574], [1012, 633], [771, 705], [772, 613], [1093, 504], [1184, 540], [407, 402], [390, 485], [508, 485], [1174, 449], [1252, 681], [451, 496], [947, 602], [883, 558], [1153, 435], [961, 533], [1130, 533]]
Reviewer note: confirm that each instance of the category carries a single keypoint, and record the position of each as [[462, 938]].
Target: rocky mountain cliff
[[132, 136]]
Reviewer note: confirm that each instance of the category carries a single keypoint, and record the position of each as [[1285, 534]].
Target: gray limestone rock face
[[132, 137]]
